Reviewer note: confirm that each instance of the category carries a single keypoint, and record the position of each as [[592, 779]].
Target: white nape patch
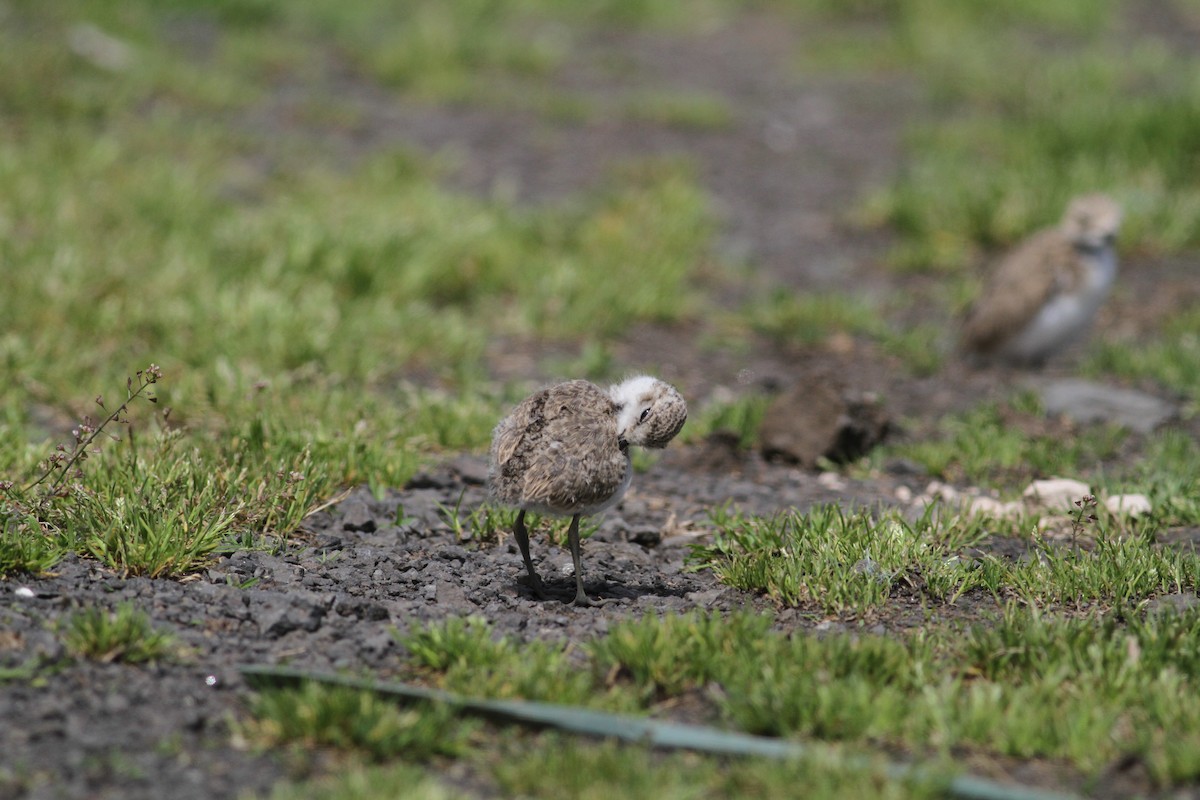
[[633, 388], [632, 395]]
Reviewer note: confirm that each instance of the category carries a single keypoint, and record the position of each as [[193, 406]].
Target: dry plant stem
[[146, 378], [1082, 505]]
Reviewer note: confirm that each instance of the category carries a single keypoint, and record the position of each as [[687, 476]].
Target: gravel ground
[[333, 600]]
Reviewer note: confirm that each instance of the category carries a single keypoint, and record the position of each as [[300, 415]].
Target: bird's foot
[[583, 601]]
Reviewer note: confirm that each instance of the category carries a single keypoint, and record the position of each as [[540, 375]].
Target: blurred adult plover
[[1044, 293]]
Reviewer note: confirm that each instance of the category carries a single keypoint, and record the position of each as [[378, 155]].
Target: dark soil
[[782, 176]]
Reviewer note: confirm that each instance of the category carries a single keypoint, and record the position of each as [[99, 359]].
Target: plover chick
[[1042, 296], [565, 451]]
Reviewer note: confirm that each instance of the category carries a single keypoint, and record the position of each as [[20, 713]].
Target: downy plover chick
[[565, 451]]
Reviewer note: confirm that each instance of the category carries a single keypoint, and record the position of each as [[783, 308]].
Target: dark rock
[[326, 542], [451, 553], [820, 419], [356, 515], [277, 615], [471, 470], [1176, 602], [361, 609], [439, 479], [646, 537]]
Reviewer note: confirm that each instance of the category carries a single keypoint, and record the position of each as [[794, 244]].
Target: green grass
[[469, 660], [1119, 574], [999, 444], [606, 770], [841, 561], [1010, 146], [1169, 474], [740, 415], [857, 564], [1171, 357], [24, 550], [289, 300], [323, 716], [369, 782], [124, 634], [1082, 691], [550, 766], [808, 319]]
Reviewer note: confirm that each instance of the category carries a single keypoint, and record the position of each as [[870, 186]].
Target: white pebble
[[23, 591], [991, 507], [831, 480], [1056, 494], [1130, 505], [941, 490]]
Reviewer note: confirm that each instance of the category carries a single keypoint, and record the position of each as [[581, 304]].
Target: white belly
[[1066, 316]]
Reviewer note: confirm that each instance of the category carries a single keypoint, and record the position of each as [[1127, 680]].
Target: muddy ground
[[799, 152]]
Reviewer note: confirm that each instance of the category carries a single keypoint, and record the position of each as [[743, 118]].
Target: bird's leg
[[581, 599], [522, 535]]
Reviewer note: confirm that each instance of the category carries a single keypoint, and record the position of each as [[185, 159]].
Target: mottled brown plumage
[[565, 450], [1045, 292]]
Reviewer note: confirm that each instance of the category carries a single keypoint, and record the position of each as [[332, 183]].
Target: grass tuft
[[840, 561], [124, 634], [317, 715], [469, 659]]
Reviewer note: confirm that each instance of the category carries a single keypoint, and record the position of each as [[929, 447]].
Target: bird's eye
[[645, 413]]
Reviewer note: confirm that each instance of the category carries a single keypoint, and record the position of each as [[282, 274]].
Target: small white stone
[[991, 507], [904, 494], [1129, 505], [943, 491], [1056, 494], [831, 480], [23, 591]]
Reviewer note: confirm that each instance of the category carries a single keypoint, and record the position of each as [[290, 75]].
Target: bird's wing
[[559, 447], [538, 417], [580, 462], [506, 440], [1022, 283]]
